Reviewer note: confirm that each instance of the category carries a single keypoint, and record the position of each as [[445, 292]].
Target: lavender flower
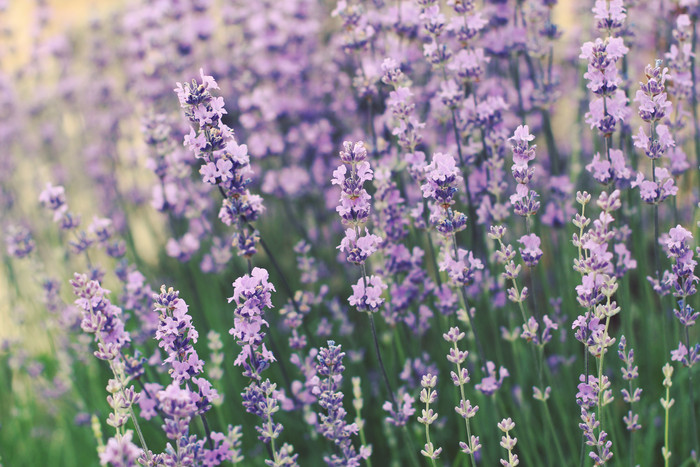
[[460, 378], [630, 372], [610, 104], [653, 107], [332, 424], [525, 201], [262, 399], [120, 451], [354, 200], [399, 416], [508, 443], [176, 335], [667, 403], [530, 250], [367, 294], [19, 241], [428, 396], [252, 295], [226, 164], [492, 382], [442, 177]]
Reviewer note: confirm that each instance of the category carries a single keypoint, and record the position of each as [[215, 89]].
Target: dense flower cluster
[[431, 105], [525, 201], [354, 209], [610, 104], [653, 107], [332, 424], [252, 295], [226, 164]]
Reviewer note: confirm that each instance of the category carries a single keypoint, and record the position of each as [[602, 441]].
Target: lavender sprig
[[332, 423], [252, 295], [631, 395], [506, 426], [226, 164], [683, 279], [104, 320], [653, 107], [459, 378], [428, 395]]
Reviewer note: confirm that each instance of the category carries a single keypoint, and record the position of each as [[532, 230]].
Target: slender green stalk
[[463, 398], [463, 292], [387, 384], [555, 435], [358, 403], [207, 431], [666, 404], [119, 376]]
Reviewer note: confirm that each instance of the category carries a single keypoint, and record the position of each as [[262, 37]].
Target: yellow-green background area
[[17, 27], [17, 23], [18, 18]]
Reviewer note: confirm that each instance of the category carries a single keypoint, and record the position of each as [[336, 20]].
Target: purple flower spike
[[492, 381], [226, 164], [176, 335], [252, 295], [332, 424], [368, 297], [354, 200], [441, 179], [530, 250], [120, 451]]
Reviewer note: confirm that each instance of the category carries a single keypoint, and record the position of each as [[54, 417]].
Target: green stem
[[463, 292], [555, 435], [693, 420], [463, 398]]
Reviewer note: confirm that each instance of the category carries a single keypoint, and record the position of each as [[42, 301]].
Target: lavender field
[[349, 233]]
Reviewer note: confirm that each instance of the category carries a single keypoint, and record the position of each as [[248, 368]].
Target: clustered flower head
[[441, 179], [508, 443], [612, 169], [355, 170], [531, 328], [653, 108], [263, 400], [525, 201], [103, 319], [54, 199], [100, 317], [630, 372], [354, 209], [402, 106], [367, 294], [530, 250], [460, 378], [682, 280], [19, 241], [428, 395], [332, 424], [226, 164], [492, 381], [176, 335], [252, 295], [610, 104]]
